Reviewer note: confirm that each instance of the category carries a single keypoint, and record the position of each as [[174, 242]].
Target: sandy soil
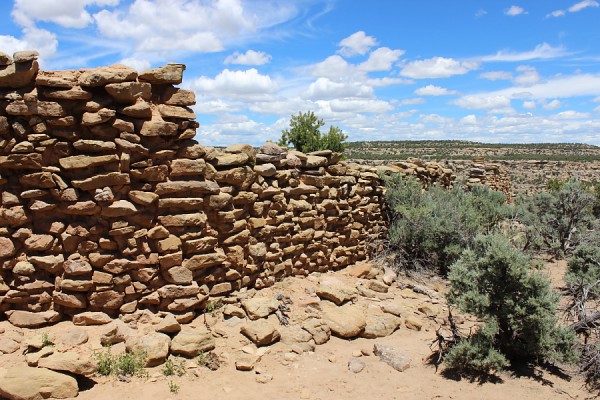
[[322, 374]]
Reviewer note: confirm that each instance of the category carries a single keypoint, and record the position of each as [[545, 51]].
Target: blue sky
[[492, 71]]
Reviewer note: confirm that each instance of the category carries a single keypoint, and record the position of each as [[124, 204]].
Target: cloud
[[513, 11], [381, 59], [360, 106], [415, 100], [556, 13], [583, 4], [437, 67], [136, 63], [45, 42], [530, 105], [250, 57], [496, 75], [247, 84], [483, 102], [357, 43], [571, 114], [66, 13], [527, 77], [553, 105], [469, 120], [542, 51], [324, 88], [431, 90], [480, 13], [334, 67]]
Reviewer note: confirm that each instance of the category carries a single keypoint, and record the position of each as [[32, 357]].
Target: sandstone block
[[347, 321], [68, 362], [196, 219], [192, 341], [260, 307], [104, 75], [36, 383], [154, 345], [27, 319], [203, 261], [170, 73], [82, 161], [128, 92], [261, 332]]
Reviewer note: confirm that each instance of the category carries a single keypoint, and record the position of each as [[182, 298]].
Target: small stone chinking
[[108, 204]]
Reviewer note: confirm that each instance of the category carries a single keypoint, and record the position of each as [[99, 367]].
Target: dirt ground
[[322, 374]]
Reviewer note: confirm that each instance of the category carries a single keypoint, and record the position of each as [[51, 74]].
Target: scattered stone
[[318, 328], [245, 364], [356, 365], [154, 346], [192, 341], [91, 318], [335, 292], [261, 332], [413, 323], [260, 307], [380, 326], [347, 321], [168, 324], [8, 346], [264, 378], [392, 356]]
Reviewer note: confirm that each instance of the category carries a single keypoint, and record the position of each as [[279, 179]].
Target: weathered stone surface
[[183, 187], [69, 362], [79, 162], [94, 146], [186, 167], [91, 318], [18, 75], [58, 79], [157, 127], [167, 111], [27, 383], [336, 292], [28, 319], [100, 181], [142, 198], [356, 365], [7, 248], [196, 219], [69, 300], [154, 345], [392, 357], [260, 307], [179, 97], [128, 92], [347, 321], [318, 328], [109, 299], [413, 323], [203, 261], [104, 75], [380, 325], [168, 325], [170, 73], [192, 341], [261, 332], [42, 108], [120, 208]]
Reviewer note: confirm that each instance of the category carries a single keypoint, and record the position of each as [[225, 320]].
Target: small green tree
[[501, 285], [305, 135]]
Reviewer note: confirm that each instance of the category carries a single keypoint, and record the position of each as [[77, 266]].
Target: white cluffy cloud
[[513, 11], [250, 57], [381, 59], [249, 84], [528, 76], [496, 75], [66, 13], [357, 43], [431, 90], [437, 67]]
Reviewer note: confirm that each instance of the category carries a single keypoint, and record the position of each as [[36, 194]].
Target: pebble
[[264, 378]]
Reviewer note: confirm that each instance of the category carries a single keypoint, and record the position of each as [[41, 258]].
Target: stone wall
[[108, 204]]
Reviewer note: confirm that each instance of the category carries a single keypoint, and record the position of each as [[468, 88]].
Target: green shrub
[[305, 135], [502, 286], [429, 229], [128, 363], [173, 387], [554, 220], [171, 368]]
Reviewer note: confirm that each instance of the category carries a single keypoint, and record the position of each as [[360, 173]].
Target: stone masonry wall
[[108, 204]]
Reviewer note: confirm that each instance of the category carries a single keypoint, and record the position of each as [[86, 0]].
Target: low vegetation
[[488, 251], [126, 364]]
